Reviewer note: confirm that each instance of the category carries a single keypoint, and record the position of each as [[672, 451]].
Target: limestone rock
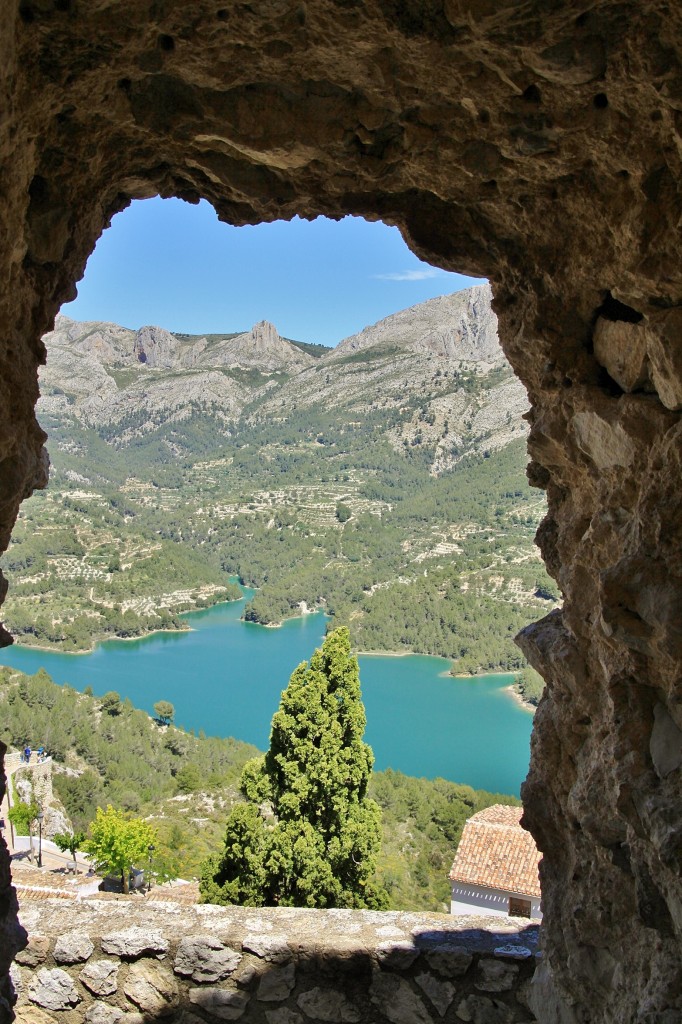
[[666, 743], [449, 961], [481, 1010], [329, 1005], [276, 983], [101, 977], [495, 976], [102, 1013], [72, 948], [397, 955], [225, 1004], [35, 953], [396, 1000], [621, 348], [152, 987], [53, 989], [273, 950], [440, 993], [134, 942], [204, 958], [32, 1015]]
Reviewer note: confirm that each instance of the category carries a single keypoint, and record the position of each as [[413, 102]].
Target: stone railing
[[129, 962]]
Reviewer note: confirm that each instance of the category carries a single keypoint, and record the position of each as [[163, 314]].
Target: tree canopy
[[321, 849], [164, 711], [117, 842]]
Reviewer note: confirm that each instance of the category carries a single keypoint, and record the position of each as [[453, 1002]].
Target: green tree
[[343, 512], [164, 711], [321, 850], [110, 703], [71, 841], [22, 816], [117, 843]]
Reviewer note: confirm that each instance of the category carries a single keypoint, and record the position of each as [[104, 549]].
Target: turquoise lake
[[225, 676]]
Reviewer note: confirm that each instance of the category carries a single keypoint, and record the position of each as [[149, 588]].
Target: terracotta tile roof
[[496, 852], [187, 894]]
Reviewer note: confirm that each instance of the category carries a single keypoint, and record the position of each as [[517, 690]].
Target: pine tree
[[321, 849]]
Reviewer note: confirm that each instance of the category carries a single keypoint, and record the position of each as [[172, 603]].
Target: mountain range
[[444, 352]]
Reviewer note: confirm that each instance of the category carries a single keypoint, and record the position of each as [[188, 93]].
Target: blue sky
[[168, 263]]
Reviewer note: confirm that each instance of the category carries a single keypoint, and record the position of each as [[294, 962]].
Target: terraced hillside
[[383, 481]]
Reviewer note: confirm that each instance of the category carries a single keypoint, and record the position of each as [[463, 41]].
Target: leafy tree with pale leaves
[[321, 849], [117, 843], [71, 841]]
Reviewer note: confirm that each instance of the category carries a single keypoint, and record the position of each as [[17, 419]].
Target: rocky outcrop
[[272, 966], [456, 327], [534, 144]]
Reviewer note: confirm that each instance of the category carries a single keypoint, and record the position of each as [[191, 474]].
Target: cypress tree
[[320, 850]]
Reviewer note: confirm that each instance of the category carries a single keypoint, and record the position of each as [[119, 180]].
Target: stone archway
[[538, 145]]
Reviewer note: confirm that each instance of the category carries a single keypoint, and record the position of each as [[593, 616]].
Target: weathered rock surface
[[134, 942], [54, 990], [152, 987], [205, 958], [73, 948], [100, 977], [534, 144]]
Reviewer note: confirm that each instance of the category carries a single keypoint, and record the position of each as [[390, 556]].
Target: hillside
[[381, 477], [106, 751]]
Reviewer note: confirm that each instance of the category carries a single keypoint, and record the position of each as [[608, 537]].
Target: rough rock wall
[[536, 144], [96, 960]]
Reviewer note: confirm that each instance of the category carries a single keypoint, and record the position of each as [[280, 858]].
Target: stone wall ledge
[[102, 962]]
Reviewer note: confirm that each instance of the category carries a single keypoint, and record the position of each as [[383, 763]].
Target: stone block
[[53, 990], [449, 961], [276, 983], [205, 958], [152, 988], [224, 1004], [440, 993], [397, 955], [35, 953], [267, 947], [73, 948], [328, 1004], [100, 977], [135, 942], [394, 997], [102, 1013], [495, 976], [482, 1010]]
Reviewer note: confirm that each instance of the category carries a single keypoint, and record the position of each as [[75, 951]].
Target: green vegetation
[[189, 784], [164, 711], [530, 685], [22, 816], [117, 842], [321, 848], [335, 506], [71, 841]]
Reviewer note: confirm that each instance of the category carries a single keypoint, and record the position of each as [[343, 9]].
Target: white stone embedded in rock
[[53, 989], [102, 1013], [73, 948], [205, 958], [267, 947], [100, 977], [621, 348], [135, 942]]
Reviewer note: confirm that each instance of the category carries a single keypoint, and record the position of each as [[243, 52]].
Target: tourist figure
[[27, 754], [41, 754]]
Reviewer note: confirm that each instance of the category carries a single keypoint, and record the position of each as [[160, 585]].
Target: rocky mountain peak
[[156, 347]]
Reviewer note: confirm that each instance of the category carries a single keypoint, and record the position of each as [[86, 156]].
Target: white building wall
[[478, 899]]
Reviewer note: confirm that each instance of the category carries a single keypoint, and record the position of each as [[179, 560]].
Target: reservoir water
[[225, 676]]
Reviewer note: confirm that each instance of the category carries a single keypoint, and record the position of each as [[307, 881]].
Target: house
[[495, 870]]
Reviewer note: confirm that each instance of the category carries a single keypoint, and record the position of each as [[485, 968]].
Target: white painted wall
[[478, 899]]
